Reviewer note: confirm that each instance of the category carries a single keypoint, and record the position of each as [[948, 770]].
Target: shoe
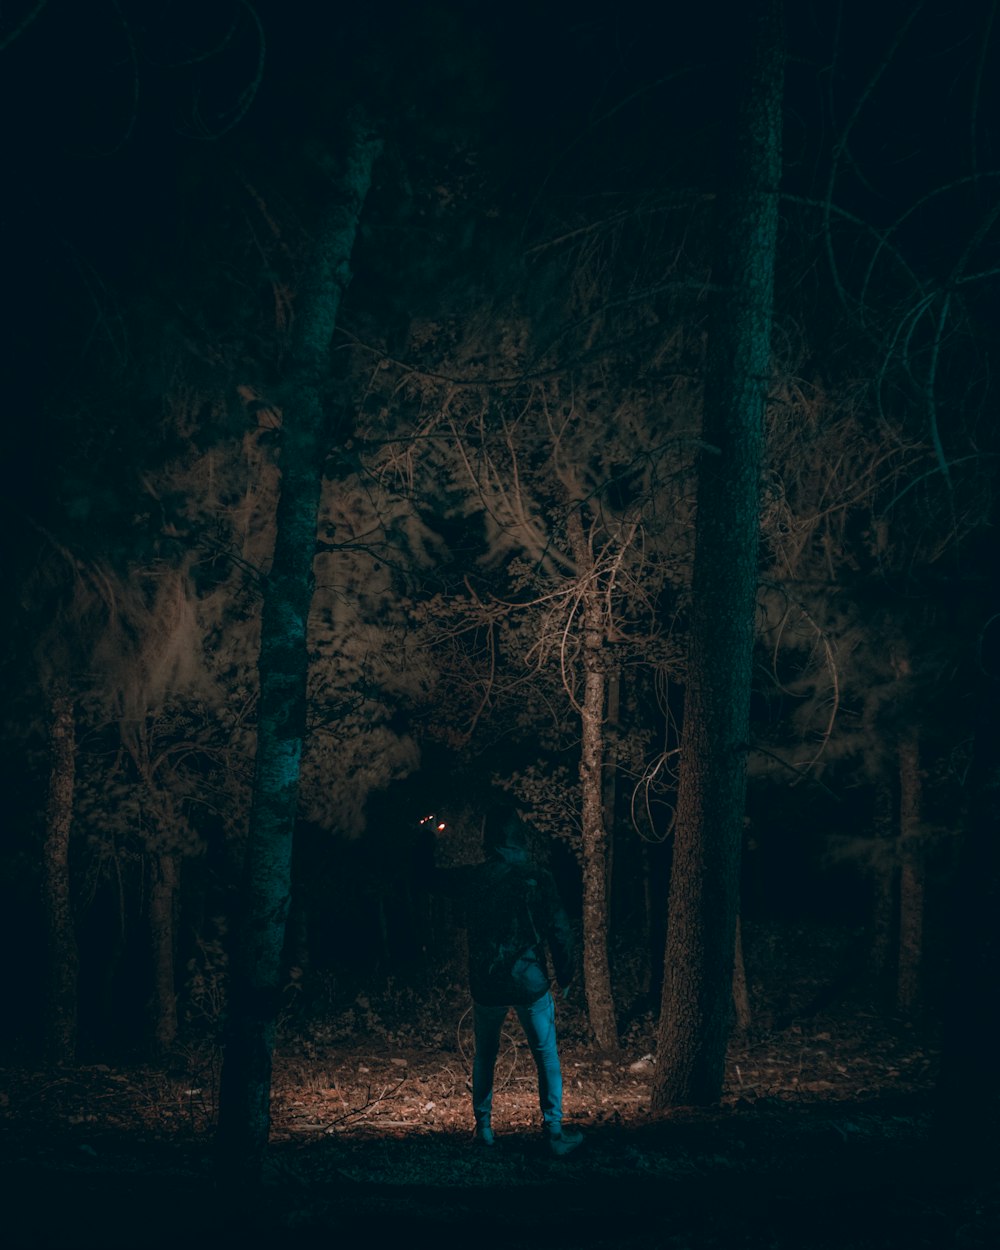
[[563, 1141], [483, 1135]]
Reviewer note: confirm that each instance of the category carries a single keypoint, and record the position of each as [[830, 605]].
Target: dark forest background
[[507, 432]]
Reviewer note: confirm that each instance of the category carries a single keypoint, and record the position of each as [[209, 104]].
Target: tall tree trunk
[[596, 966], [244, 1105], [911, 879], [883, 891], [704, 887], [62, 954], [162, 902], [968, 1104]]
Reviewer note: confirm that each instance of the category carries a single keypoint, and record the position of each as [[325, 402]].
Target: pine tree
[[704, 888], [244, 1115]]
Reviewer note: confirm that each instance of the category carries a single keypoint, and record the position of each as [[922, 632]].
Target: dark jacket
[[513, 915]]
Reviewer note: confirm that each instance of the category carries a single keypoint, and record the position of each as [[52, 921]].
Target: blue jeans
[[538, 1020]]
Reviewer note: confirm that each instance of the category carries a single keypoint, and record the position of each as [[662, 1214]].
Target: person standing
[[513, 915]]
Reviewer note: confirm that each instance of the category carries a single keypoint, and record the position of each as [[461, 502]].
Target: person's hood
[[505, 832], [512, 854]]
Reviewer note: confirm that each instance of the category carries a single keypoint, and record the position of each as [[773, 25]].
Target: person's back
[[513, 916]]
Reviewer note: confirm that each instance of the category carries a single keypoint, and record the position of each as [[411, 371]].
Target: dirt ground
[[823, 1139]]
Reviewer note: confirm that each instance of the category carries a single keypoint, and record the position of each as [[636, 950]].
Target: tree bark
[[704, 889], [244, 1108], [63, 957], [162, 902], [741, 990], [609, 779], [596, 966], [654, 927]]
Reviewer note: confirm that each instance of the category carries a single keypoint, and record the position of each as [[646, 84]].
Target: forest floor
[[823, 1139]]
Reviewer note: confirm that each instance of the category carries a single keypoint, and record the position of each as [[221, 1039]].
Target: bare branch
[[19, 29]]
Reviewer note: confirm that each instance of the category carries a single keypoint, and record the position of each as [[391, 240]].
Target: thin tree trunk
[[741, 991], [883, 902], [596, 966], [648, 961], [704, 888], [609, 777], [244, 1107], [297, 952], [62, 954], [911, 879], [162, 902]]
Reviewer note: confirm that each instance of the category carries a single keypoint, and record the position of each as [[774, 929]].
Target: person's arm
[[558, 932]]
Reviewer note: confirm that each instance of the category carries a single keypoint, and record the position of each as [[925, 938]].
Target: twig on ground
[[387, 1095]]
